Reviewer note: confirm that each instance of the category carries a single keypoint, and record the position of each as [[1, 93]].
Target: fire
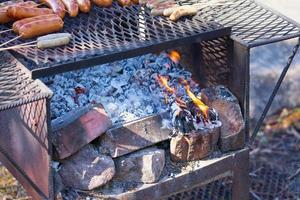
[[174, 56], [204, 108], [163, 81]]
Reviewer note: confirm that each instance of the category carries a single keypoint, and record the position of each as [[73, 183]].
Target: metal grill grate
[[108, 34], [16, 86], [217, 190], [252, 24], [267, 183]]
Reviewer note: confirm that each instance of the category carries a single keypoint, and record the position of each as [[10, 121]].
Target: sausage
[[16, 25], [4, 18], [72, 7], [54, 36], [136, 2], [53, 42], [124, 2], [41, 27], [20, 12], [103, 3], [84, 5], [57, 6]]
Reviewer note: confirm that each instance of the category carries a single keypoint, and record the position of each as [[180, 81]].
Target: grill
[[105, 35], [109, 34]]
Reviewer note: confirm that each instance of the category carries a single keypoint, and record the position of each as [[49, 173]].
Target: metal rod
[[277, 86]]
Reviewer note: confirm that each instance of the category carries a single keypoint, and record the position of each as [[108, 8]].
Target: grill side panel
[[24, 128]]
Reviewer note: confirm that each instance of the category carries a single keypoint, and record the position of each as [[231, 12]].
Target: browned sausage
[[41, 27], [16, 25], [135, 2], [4, 18], [103, 3], [20, 12], [72, 7], [84, 5], [124, 2], [57, 6]]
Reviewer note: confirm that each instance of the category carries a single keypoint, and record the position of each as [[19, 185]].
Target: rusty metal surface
[[24, 126], [108, 34]]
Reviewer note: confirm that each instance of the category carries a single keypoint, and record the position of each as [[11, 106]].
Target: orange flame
[[163, 81], [174, 56], [204, 108]]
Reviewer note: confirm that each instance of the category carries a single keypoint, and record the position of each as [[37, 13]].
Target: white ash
[[127, 89]]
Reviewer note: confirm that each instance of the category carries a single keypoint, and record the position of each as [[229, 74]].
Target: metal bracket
[[274, 92]]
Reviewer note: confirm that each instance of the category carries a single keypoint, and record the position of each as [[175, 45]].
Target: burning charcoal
[[87, 169], [227, 105], [78, 128], [134, 135], [195, 145], [143, 166]]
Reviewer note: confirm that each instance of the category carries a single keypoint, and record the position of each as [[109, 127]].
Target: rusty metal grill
[[108, 34], [16, 86]]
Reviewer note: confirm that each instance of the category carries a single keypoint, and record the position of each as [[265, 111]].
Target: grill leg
[[241, 181]]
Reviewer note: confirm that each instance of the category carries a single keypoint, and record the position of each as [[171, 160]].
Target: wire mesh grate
[[16, 86], [116, 30], [252, 24], [267, 182]]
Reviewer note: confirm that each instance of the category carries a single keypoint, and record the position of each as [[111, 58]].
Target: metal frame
[[25, 128]]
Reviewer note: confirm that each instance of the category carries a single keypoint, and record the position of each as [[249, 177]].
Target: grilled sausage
[[72, 7], [4, 18], [57, 6], [103, 3], [124, 2], [41, 27], [136, 2], [84, 5], [21, 12], [16, 25]]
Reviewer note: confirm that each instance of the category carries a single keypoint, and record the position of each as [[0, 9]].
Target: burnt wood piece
[[194, 146], [78, 128], [135, 135], [227, 105]]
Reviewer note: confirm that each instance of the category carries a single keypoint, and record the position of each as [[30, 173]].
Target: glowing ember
[[174, 56]]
